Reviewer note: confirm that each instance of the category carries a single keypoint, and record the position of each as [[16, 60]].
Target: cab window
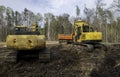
[[85, 28], [20, 29]]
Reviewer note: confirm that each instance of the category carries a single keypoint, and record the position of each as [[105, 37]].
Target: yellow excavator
[[27, 40], [82, 34]]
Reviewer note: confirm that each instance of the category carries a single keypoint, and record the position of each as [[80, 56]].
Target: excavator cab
[[24, 30], [83, 33], [20, 29]]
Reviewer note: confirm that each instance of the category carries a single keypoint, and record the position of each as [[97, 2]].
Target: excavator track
[[8, 55], [44, 55], [13, 56]]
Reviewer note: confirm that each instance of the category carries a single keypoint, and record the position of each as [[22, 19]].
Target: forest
[[105, 20]]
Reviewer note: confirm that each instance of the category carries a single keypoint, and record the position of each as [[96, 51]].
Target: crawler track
[[7, 55]]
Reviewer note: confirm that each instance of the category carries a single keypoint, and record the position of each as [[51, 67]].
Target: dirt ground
[[67, 61]]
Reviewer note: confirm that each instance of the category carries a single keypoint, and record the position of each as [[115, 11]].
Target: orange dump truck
[[65, 38]]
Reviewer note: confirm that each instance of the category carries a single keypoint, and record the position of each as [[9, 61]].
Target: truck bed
[[65, 36]]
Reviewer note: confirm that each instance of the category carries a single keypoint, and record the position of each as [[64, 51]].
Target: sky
[[57, 7]]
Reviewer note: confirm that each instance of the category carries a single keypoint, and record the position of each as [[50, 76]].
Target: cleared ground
[[67, 61]]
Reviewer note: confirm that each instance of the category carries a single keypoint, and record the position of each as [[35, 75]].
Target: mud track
[[67, 61]]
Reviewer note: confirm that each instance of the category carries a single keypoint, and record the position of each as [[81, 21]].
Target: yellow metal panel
[[25, 42], [80, 23], [92, 36]]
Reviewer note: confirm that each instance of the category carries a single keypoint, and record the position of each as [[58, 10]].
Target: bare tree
[[77, 12]]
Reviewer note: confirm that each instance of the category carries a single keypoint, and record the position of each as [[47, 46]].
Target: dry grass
[[52, 42], [2, 44]]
